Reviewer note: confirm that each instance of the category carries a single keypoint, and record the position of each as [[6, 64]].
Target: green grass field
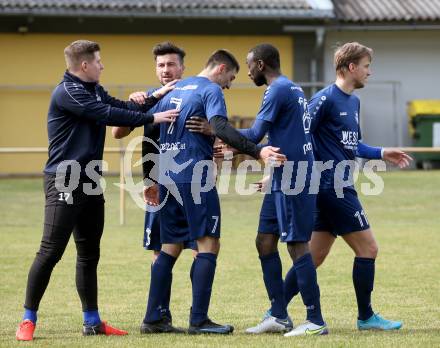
[[405, 218]]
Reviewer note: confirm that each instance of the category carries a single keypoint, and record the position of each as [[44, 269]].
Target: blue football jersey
[[285, 107], [182, 150], [335, 128]]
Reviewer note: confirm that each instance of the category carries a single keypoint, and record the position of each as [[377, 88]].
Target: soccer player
[[169, 61], [336, 134], [285, 215], [79, 111], [189, 212]]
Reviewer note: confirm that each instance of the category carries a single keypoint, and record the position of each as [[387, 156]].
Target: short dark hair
[[167, 47], [223, 57], [78, 51], [268, 54]]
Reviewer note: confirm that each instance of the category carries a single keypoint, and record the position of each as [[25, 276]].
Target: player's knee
[[297, 250], [208, 244], [48, 258], [258, 243], [88, 260], [319, 257], [214, 247], [369, 250], [155, 256], [88, 252], [374, 250], [265, 244]]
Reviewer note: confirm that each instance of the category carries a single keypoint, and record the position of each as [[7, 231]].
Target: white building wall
[[406, 61]]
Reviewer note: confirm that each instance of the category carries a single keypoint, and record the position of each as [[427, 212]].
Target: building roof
[[168, 8], [386, 10], [345, 11]]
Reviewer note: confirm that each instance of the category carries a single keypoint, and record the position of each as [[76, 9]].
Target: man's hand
[[165, 89], [222, 149], [166, 116], [138, 97], [397, 157], [151, 195], [272, 156], [199, 125]]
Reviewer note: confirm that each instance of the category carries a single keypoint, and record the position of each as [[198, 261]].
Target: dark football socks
[[160, 279], [91, 318], [167, 298], [30, 315], [363, 281], [273, 279], [309, 289], [290, 285], [203, 272]]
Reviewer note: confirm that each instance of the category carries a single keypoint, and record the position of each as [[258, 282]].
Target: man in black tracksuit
[[79, 111]]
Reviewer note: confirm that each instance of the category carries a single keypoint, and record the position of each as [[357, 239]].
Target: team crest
[[307, 119]]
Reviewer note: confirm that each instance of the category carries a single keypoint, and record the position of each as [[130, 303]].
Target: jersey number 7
[[178, 102]]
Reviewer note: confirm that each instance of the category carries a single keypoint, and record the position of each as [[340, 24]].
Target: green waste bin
[[424, 127]]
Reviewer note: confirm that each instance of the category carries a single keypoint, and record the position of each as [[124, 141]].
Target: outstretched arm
[[197, 124], [257, 132], [368, 152], [232, 137], [396, 157], [142, 102], [392, 155], [81, 103]]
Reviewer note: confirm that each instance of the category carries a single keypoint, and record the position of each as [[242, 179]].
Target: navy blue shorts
[[152, 233], [289, 216], [339, 216], [190, 220]]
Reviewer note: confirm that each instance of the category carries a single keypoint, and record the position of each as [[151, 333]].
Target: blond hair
[[350, 52], [79, 51]]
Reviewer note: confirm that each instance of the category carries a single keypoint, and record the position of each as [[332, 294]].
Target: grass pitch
[[405, 219]]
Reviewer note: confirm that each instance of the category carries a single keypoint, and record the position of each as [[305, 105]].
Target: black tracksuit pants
[[66, 212]]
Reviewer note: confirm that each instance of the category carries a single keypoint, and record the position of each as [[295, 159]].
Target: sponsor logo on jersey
[[187, 87], [172, 146], [343, 113], [296, 88], [349, 139]]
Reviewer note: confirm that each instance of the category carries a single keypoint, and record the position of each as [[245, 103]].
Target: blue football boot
[[376, 322]]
